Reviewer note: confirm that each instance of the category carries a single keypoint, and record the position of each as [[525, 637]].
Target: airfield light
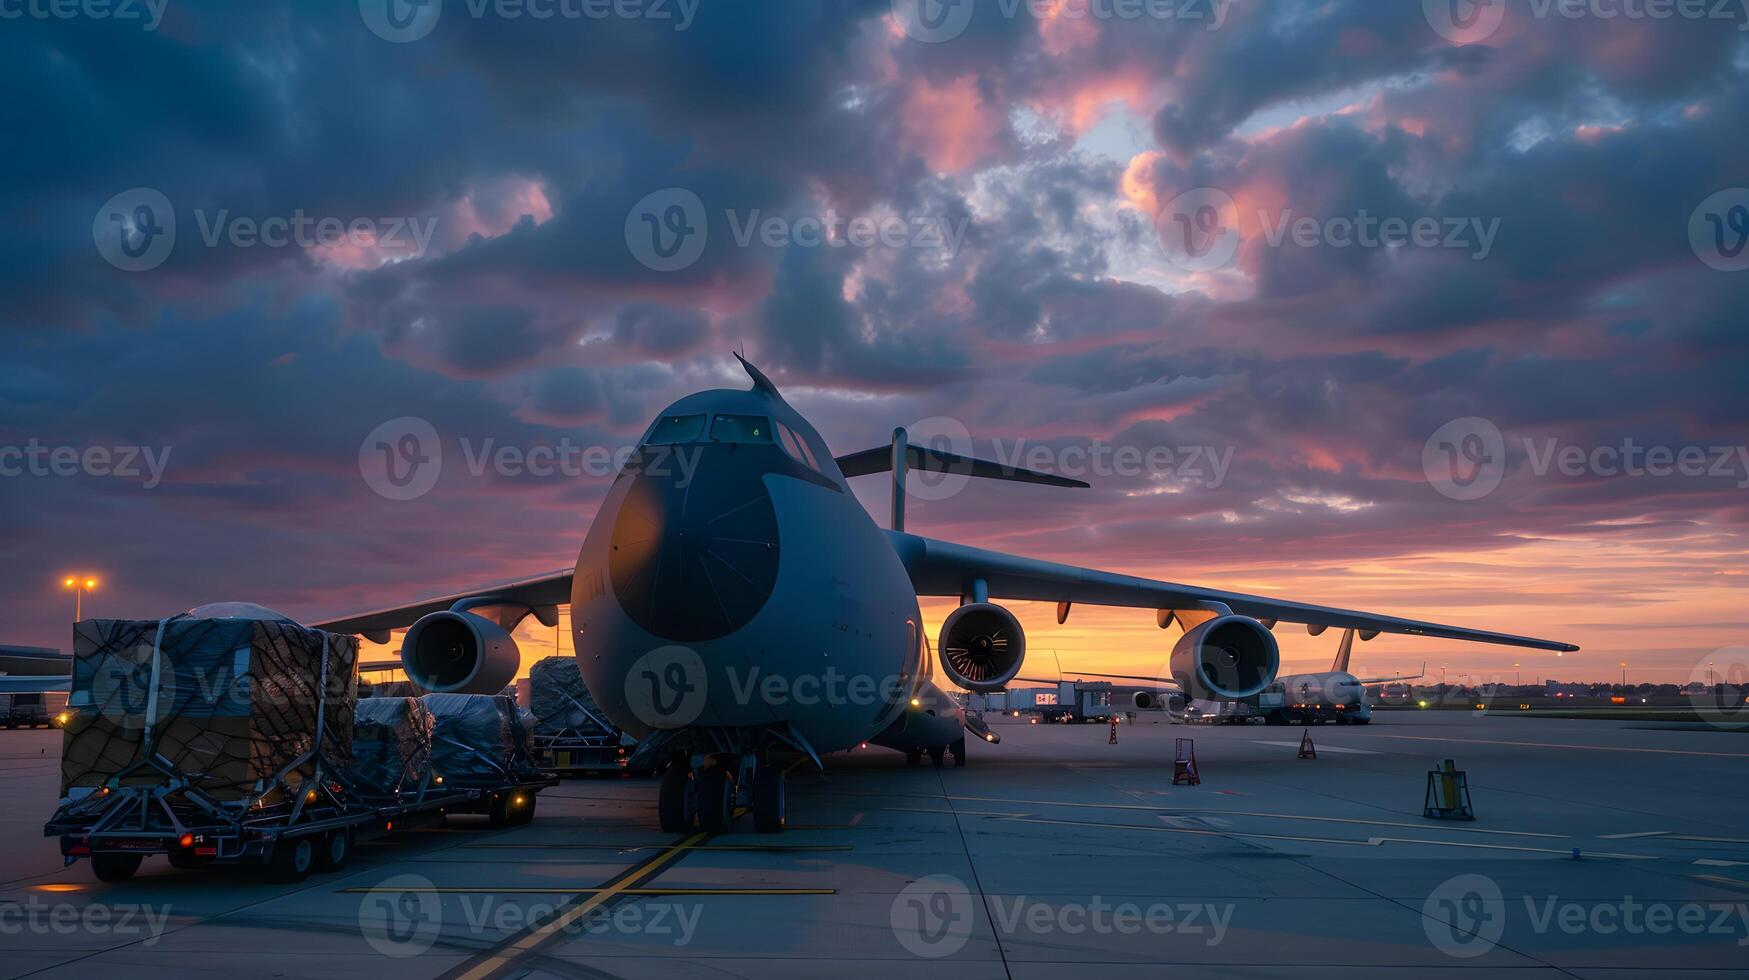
[[916, 703], [1422, 703], [80, 585]]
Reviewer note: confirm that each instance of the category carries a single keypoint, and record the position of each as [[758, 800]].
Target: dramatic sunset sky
[[1054, 139]]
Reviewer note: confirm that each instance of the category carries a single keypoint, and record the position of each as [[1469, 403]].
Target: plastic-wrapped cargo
[[559, 698], [477, 739], [391, 746], [237, 700]]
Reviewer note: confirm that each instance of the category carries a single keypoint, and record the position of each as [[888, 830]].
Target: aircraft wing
[[33, 684], [942, 568], [1363, 681], [553, 589]]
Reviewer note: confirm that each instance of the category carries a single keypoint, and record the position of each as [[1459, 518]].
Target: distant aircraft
[[745, 604], [1333, 695]]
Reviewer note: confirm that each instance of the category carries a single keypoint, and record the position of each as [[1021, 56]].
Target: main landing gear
[[914, 757], [707, 792]]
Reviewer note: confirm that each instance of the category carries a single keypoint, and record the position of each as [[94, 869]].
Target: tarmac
[[1050, 854]]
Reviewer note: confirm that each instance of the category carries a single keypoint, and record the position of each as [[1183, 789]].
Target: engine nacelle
[[459, 653], [1228, 658], [982, 646], [1144, 701]]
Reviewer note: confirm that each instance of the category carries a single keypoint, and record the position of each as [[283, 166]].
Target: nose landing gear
[[705, 793]]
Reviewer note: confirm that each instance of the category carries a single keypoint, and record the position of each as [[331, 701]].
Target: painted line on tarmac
[[1582, 748], [505, 956], [1254, 813], [630, 848], [1710, 840], [1722, 880], [1717, 863], [1322, 748], [1643, 833], [1369, 842], [537, 890]]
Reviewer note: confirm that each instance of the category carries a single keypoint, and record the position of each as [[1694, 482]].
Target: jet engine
[[982, 646], [459, 652], [1144, 701], [1228, 658]]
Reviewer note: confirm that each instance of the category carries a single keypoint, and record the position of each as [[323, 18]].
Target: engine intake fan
[[982, 646], [459, 652], [1226, 659]]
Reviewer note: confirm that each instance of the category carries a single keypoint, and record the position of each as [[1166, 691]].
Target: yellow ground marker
[[507, 955]]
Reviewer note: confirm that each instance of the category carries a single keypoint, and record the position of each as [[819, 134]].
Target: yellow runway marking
[[1582, 748], [505, 956]]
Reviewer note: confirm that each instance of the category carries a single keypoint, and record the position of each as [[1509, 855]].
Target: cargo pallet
[[305, 828]]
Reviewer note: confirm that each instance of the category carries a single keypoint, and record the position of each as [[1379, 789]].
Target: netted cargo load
[[235, 701], [391, 746], [477, 739], [560, 700]]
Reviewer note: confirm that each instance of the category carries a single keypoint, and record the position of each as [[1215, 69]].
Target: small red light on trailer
[[206, 852], [388, 825], [185, 842]]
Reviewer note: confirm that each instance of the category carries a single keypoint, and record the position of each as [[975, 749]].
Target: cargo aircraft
[[746, 606]]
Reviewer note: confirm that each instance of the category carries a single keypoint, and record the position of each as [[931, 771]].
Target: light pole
[[1624, 673], [1517, 676], [80, 586]]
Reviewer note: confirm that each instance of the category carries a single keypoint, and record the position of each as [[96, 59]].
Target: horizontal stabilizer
[[880, 460]]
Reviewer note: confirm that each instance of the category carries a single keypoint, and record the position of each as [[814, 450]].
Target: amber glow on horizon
[[1652, 607]]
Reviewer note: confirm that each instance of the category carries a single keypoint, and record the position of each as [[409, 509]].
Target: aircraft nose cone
[[695, 559]]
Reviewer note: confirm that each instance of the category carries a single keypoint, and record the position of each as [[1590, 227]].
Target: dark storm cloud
[[530, 317]]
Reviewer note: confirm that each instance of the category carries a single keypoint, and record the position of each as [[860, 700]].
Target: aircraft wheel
[[913, 758], [959, 752], [291, 860], [335, 851], [716, 801], [675, 805], [114, 867], [768, 800], [935, 756]]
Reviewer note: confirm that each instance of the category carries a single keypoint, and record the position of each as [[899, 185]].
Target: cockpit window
[[672, 430], [741, 428]]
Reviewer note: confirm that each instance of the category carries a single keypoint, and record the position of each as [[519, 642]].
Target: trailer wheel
[[335, 851], [114, 867], [291, 861]]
